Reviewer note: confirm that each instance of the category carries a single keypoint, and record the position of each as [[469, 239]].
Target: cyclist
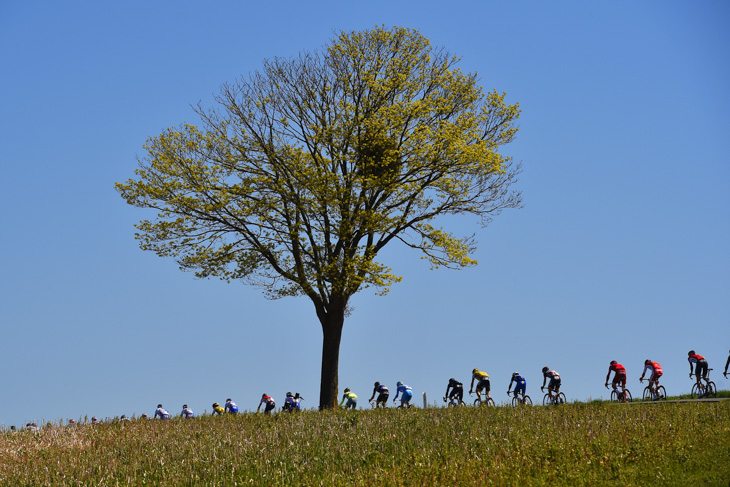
[[482, 379], [553, 385], [619, 377], [230, 406], [520, 384], [656, 372], [351, 399], [291, 403], [187, 413], [457, 391], [270, 404], [383, 394], [161, 412], [217, 409], [406, 394], [700, 371]]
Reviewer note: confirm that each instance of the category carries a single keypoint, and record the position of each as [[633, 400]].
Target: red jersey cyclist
[[700, 371], [619, 378], [656, 372]]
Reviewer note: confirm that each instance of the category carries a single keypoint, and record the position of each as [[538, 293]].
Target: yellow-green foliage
[[312, 165], [576, 444]]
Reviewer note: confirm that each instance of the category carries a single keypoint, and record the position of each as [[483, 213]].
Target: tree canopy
[[307, 168]]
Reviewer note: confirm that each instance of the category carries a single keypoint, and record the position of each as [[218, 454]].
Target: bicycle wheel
[[527, 401], [546, 401], [477, 402], [710, 389], [695, 391], [515, 402], [647, 394], [490, 402], [614, 395], [661, 393], [627, 396], [561, 399]]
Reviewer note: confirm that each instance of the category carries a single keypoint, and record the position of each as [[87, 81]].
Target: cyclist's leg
[[479, 390]]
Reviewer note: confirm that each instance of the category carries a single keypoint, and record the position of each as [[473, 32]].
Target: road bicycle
[[620, 396], [403, 405], [557, 399], [454, 401], [483, 400], [520, 399], [375, 405], [658, 393], [709, 388]]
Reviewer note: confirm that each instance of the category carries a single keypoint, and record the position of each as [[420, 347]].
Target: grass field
[[575, 444]]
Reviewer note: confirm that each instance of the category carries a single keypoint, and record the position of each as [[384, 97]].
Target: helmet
[[515, 374], [613, 362], [647, 361], [289, 394], [159, 405], [185, 406], [544, 369], [216, 405], [347, 389], [377, 384], [691, 352], [229, 399], [399, 383], [474, 371], [263, 395], [452, 380]]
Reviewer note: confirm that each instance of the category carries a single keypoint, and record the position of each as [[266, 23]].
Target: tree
[[309, 167]]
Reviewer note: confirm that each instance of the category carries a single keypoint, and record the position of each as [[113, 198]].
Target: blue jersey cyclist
[[161, 412], [406, 394], [187, 413], [520, 384], [230, 406]]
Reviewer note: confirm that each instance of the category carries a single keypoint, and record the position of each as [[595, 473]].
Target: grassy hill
[[575, 444]]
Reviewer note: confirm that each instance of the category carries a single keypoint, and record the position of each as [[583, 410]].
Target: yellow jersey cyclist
[[482, 379], [217, 409], [351, 399]]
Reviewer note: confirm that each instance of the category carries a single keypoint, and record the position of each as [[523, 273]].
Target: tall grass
[[575, 444]]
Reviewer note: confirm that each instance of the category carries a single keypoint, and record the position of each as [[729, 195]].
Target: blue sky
[[621, 250]]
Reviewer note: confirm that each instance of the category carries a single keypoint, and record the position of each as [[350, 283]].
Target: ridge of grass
[[575, 444]]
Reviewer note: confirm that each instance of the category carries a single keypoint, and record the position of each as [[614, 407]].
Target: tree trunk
[[332, 323]]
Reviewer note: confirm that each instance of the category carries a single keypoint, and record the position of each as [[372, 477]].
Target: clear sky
[[621, 250]]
